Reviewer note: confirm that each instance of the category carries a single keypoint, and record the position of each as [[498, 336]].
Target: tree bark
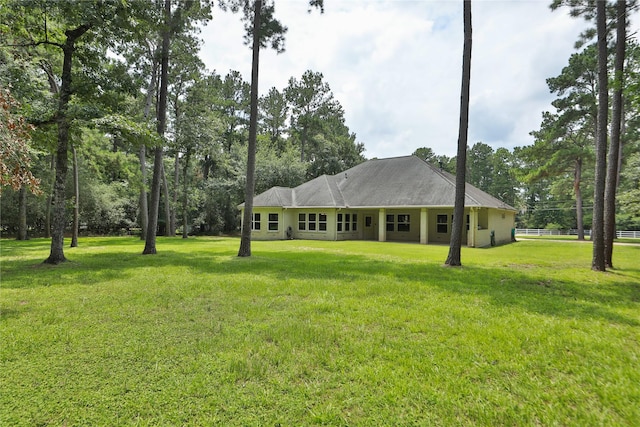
[[598, 259], [144, 206], [150, 241], [245, 240], [174, 204], [167, 203], [185, 195], [577, 179], [49, 202], [56, 256], [614, 147], [76, 201], [142, 154], [455, 245], [22, 213]]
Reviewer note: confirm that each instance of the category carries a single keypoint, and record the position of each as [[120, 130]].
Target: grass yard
[[317, 333]]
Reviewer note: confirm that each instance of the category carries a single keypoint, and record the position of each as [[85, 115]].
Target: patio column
[[382, 225], [424, 226], [473, 227]]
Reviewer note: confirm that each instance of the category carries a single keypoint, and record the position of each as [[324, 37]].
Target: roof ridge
[[326, 179], [444, 174]]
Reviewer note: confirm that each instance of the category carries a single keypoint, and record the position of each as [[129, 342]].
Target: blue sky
[[395, 66]]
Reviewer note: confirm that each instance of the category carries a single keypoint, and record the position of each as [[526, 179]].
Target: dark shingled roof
[[379, 183]]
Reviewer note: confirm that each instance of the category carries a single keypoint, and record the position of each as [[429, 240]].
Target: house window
[[322, 222], [255, 221], [400, 223], [404, 223], [390, 223], [273, 222], [312, 222], [441, 224], [347, 222], [302, 222]]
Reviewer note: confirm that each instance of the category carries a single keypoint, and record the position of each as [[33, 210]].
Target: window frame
[[440, 225], [403, 223], [271, 222], [255, 221]]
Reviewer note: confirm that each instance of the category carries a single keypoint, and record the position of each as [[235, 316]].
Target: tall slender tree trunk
[[185, 194], [49, 202], [597, 235], [614, 145], [150, 241], [56, 255], [174, 201], [142, 154], [167, 203], [455, 245], [144, 206], [577, 179], [245, 239], [22, 213], [76, 199]]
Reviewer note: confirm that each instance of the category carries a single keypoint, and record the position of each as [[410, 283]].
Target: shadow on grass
[[368, 276]]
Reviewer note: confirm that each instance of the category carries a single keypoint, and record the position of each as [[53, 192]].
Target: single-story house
[[393, 199]]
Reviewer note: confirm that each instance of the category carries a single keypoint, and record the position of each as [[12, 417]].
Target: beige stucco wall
[[501, 221], [486, 220], [413, 235], [264, 233]]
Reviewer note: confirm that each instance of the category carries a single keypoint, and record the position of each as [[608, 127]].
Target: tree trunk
[[614, 147], [150, 241], [174, 204], [144, 206], [167, 203], [76, 201], [185, 195], [142, 154], [597, 235], [56, 256], [455, 245], [22, 213], [245, 240], [49, 202], [577, 179]]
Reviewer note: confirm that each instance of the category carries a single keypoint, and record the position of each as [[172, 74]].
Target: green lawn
[[317, 333]]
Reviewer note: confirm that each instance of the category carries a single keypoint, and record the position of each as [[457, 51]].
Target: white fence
[[587, 233]]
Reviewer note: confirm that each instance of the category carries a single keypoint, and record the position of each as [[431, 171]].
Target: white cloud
[[395, 66]]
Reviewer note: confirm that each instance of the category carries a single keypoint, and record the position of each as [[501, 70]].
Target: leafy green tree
[[611, 185], [311, 102], [261, 31], [425, 153], [15, 157], [62, 26], [480, 166], [234, 109], [562, 146], [629, 199], [504, 183], [273, 118], [598, 259], [174, 22]]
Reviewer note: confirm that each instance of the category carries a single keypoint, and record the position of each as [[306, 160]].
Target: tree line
[[110, 119], [116, 93]]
